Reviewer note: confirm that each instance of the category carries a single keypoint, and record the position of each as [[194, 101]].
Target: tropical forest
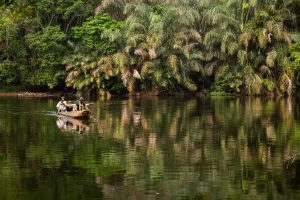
[[246, 47]]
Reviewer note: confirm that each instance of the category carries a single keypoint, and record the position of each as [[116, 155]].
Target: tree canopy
[[159, 46]]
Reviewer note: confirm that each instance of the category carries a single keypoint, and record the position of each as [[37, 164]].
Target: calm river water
[[151, 148]]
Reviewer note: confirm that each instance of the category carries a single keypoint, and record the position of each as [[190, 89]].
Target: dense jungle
[[247, 47]]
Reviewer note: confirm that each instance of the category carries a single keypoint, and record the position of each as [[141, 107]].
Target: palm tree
[[270, 55], [113, 7], [242, 45], [256, 35], [79, 67], [150, 31]]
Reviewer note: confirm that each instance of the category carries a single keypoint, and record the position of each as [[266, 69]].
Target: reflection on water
[[151, 148], [72, 125]]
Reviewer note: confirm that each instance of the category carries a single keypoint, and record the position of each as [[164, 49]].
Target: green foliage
[[269, 85], [91, 32], [48, 49], [5, 2], [8, 75], [12, 50], [157, 45], [93, 39], [66, 13], [295, 55], [229, 82]]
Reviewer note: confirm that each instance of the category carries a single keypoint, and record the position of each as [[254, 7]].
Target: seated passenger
[[69, 106], [80, 105]]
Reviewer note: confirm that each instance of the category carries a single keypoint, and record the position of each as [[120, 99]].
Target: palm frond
[[69, 66], [197, 55], [113, 7], [180, 39], [143, 45], [145, 67], [253, 3], [121, 60], [105, 65], [112, 3], [105, 60], [245, 38], [152, 53], [195, 66], [190, 85], [258, 61], [129, 8], [270, 60], [285, 83], [242, 57], [71, 77], [141, 52], [282, 52], [287, 38], [195, 35], [221, 69], [212, 37], [253, 82], [210, 68], [257, 84], [136, 74], [262, 40], [216, 15], [155, 18], [173, 62], [295, 37], [227, 38], [186, 51], [278, 30], [136, 27], [209, 55], [286, 63], [233, 2], [160, 51], [125, 76], [265, 70], [133, 40], [232, 48]]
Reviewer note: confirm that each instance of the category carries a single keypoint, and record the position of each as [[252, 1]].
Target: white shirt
[[61, 106]]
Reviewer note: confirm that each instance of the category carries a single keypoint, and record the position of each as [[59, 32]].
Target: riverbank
[[31, 94], [71, 94]]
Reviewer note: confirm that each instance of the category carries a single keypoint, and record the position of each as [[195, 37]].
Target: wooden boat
[[76, 114]]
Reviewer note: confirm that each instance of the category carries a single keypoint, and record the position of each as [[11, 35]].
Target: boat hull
[[76, 114]]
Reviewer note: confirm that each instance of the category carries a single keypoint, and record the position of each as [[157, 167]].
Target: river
[[151, 148]]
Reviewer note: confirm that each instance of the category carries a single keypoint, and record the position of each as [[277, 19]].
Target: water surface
[[150, 148]]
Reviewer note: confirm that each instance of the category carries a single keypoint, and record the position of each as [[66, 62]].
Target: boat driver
[[61, 105]]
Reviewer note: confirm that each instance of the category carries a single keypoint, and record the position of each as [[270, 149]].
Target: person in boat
[[61, 105], [80, 105], [69, 106]]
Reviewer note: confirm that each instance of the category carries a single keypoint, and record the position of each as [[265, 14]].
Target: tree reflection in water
[[216, 142], [152, 148]]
